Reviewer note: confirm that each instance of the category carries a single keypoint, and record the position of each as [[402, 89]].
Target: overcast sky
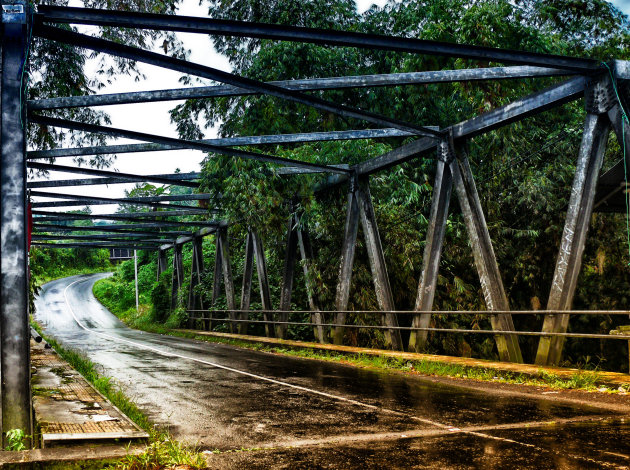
[[154, 117]]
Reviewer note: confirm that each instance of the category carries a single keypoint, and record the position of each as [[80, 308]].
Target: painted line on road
[[452, 429]]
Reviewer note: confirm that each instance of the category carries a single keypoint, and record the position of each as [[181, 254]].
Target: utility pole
[[15, 367], [135, 272]]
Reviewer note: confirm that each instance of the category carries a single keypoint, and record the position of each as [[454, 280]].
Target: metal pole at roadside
[[135, 272]]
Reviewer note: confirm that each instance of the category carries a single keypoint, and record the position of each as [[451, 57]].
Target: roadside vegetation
[[162, 450], [523, 172]]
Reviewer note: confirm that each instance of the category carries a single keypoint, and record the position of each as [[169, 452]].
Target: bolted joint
[[445, 150], [600, 97]]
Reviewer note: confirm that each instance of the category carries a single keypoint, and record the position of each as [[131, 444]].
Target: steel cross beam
[[225, 142], [76, 200], [197, 145], [130, 217], [134, 53], [306, 84], [111, 237], [112, 176], [119, 228], [190, 24], [95, 245]]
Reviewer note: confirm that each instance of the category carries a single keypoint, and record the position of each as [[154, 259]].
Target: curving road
[[313, 414]]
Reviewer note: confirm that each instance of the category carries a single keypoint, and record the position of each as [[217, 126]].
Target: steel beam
[[177, 280], [485, 259], [347, 261], [162, 263], [226, 269], [109, 237], [383, 289], [216, 280], [263, 281], [192, 144], [194, 298], [96, 245], [76, 200], [119, 228], [246, 289], [306, 253], [132, 216], [522, 108], [15, 368], [162, 179], [433, 246], [224, 142], [288, 275], [142, 199], [569, 262], [307, 84], [189, 24], [179, 65]]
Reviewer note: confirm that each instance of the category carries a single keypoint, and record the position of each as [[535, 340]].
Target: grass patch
[[580, 380], [162, 450]]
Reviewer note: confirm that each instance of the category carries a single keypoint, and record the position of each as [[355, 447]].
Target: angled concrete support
[[442, 188], [263, 282], [376, 256], [246, 290], [485, 259], [599, 100], [195, 301], [306, 254], [226, 269], [15, 369], [287, 276], [178, 275], [347, 261]]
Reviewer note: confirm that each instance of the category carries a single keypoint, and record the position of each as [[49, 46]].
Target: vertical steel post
[[194, 298], [287, 277], [15, 370], [433, 247], [485, 259], [599, 99], [226, 268], [378, 266], [178, 274], [246, 291], [306, 254], [347, 261], [135, 277], [263, 282]]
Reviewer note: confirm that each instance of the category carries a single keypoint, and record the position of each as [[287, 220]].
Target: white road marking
[[447, 427]]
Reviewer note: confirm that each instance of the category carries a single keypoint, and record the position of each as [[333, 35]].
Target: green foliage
[[16, 440], [161, 298]]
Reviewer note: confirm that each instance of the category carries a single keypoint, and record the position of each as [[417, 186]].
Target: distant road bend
[[313, 414]]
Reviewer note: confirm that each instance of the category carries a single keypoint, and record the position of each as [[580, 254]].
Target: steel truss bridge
[[580, 78]]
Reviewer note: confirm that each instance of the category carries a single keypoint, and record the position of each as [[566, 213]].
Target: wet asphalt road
[[312, 414]]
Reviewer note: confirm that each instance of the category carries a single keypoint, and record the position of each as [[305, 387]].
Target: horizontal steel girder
[[118, 228], [197, 145], [226, 142], [178, 65], [127, 238], [307, 84], [189, 24], [94, 245], [112, 176]]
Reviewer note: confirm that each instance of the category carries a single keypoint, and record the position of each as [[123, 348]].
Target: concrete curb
[[604, 378]]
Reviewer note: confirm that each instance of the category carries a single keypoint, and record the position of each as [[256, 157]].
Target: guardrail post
[[195, 302], [442, 188], [347, 261], [485, 259], [263, 283], [246, 291], [599, 99], [15, 369], [378, 266]]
